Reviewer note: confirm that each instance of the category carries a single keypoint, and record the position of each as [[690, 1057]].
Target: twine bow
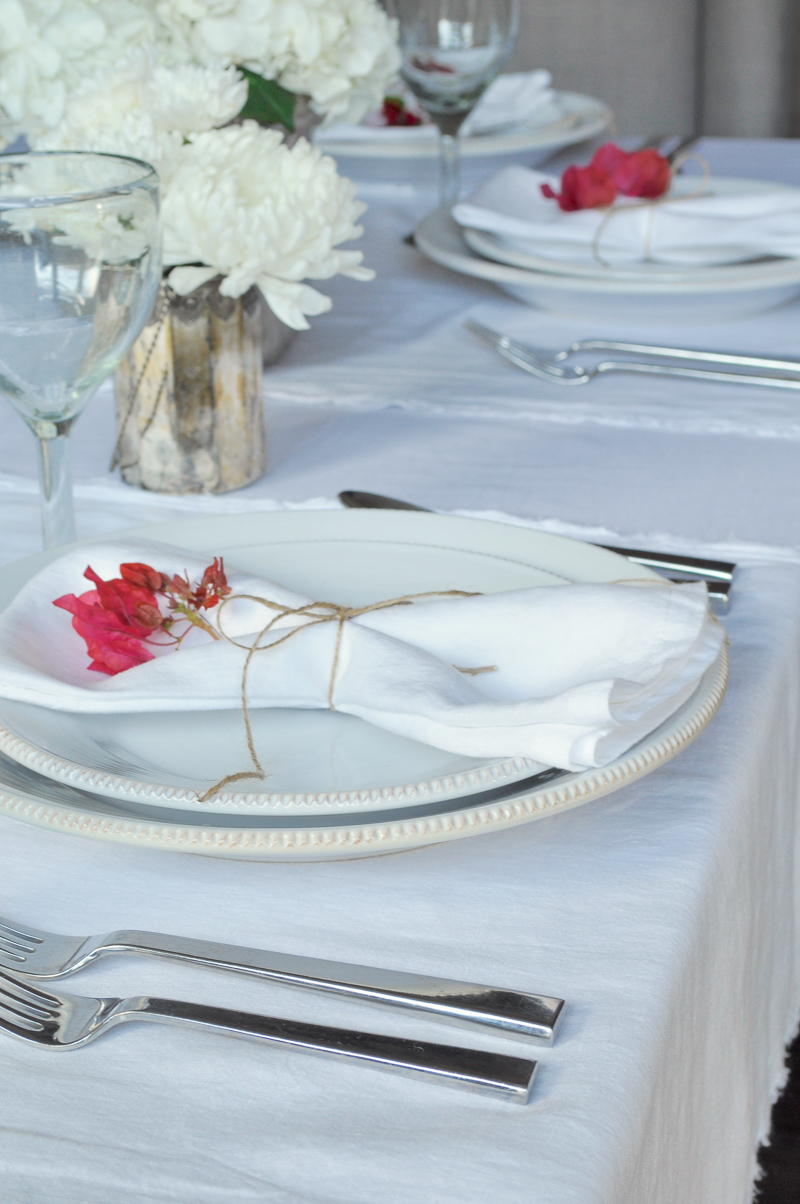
[[315, 613]]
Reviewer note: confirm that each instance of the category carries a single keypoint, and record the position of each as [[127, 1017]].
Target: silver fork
[[550, 367], [42, 955], [60, 1021]]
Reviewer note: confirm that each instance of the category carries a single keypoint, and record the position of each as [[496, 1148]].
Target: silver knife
[[718, 574]]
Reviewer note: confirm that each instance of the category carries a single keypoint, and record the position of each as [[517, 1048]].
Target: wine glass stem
[[55, 477], [450, 175]]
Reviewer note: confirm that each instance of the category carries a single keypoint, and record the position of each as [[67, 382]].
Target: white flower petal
[[185, 280]]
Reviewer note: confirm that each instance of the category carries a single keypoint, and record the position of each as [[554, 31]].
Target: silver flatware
[[677, 353], [718, 574], [45, 955], [59, 1021], [545, 366]]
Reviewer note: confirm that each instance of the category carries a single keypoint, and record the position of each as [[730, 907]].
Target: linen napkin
[[689, 230], [581, 672], [511, 99]]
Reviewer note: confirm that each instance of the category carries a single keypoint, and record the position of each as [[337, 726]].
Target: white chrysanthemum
[[140, 109], [342, 53], [256, 212]]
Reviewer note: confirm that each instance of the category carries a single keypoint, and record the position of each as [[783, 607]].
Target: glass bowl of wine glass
[[80, 265]]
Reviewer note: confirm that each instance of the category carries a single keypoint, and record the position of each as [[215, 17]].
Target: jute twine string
[[314, 613], [652, 207]]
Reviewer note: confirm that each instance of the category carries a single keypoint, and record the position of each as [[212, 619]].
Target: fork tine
[[21, 1026], [21, 1013], [22, 1008], [7, 930], [12, 955], [12, 986], [15, 946]]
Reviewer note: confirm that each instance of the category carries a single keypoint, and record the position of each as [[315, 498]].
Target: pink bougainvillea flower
[[643, 173], [122, 598], [118, 617], [611, 172], [582, 188], [113, 644]]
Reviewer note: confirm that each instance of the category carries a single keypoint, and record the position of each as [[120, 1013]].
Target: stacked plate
[[577, 119], [337, 787], [646, 292]]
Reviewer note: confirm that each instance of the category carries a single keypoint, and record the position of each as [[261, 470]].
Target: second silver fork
[[55, 1020], [551, 367]]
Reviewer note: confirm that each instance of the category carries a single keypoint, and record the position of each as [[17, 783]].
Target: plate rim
[[428, 240], [390, 835]]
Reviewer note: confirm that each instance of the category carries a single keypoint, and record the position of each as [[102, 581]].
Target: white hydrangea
[[48, 47], [341, 53], [142, 109], [253, 210]]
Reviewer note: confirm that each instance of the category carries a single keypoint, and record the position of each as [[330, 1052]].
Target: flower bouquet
[[208, 91]]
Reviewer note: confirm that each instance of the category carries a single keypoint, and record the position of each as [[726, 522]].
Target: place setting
[[360, 573]]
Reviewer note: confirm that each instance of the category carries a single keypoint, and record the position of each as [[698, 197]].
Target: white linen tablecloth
[[666, 914]]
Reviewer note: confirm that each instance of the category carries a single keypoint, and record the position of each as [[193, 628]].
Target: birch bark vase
[[190, 416]]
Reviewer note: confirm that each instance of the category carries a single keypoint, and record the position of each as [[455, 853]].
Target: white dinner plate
[[583, 117], [359, 555], [751, 288], [174, 758], [586, 267]]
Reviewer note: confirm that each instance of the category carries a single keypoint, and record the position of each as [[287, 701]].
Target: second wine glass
[[451, 51]]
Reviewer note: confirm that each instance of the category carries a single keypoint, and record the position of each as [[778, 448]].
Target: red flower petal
[[111, 643], [143, 575], [612, 170]]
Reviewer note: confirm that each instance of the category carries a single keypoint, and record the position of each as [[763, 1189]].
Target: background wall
[[673, 66]]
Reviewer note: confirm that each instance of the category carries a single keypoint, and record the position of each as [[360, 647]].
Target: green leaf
[[267, 102]]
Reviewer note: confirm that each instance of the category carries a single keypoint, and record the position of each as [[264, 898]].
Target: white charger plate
[[584, 117], [752, 289], [585, 266], [346, 551]]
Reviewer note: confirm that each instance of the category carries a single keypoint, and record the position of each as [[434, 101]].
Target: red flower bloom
[[582, 188], [119, 616], [213, 585], [143, 575], [112, 644], [612, 170], [643, 173], [122, 599], [395, 112]]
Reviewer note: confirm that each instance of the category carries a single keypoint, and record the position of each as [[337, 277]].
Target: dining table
[[665, 914]]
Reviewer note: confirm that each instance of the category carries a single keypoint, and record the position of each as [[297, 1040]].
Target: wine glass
[[80, 266], [451, 51]]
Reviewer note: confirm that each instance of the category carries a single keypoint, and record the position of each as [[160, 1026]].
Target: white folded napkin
[[689, 230], [509, 100], [583, 671]]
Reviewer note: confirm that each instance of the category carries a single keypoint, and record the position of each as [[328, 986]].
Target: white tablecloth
[[666, 914]]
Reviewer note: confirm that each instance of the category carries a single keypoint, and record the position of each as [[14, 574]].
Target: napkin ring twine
[[315, 613]]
